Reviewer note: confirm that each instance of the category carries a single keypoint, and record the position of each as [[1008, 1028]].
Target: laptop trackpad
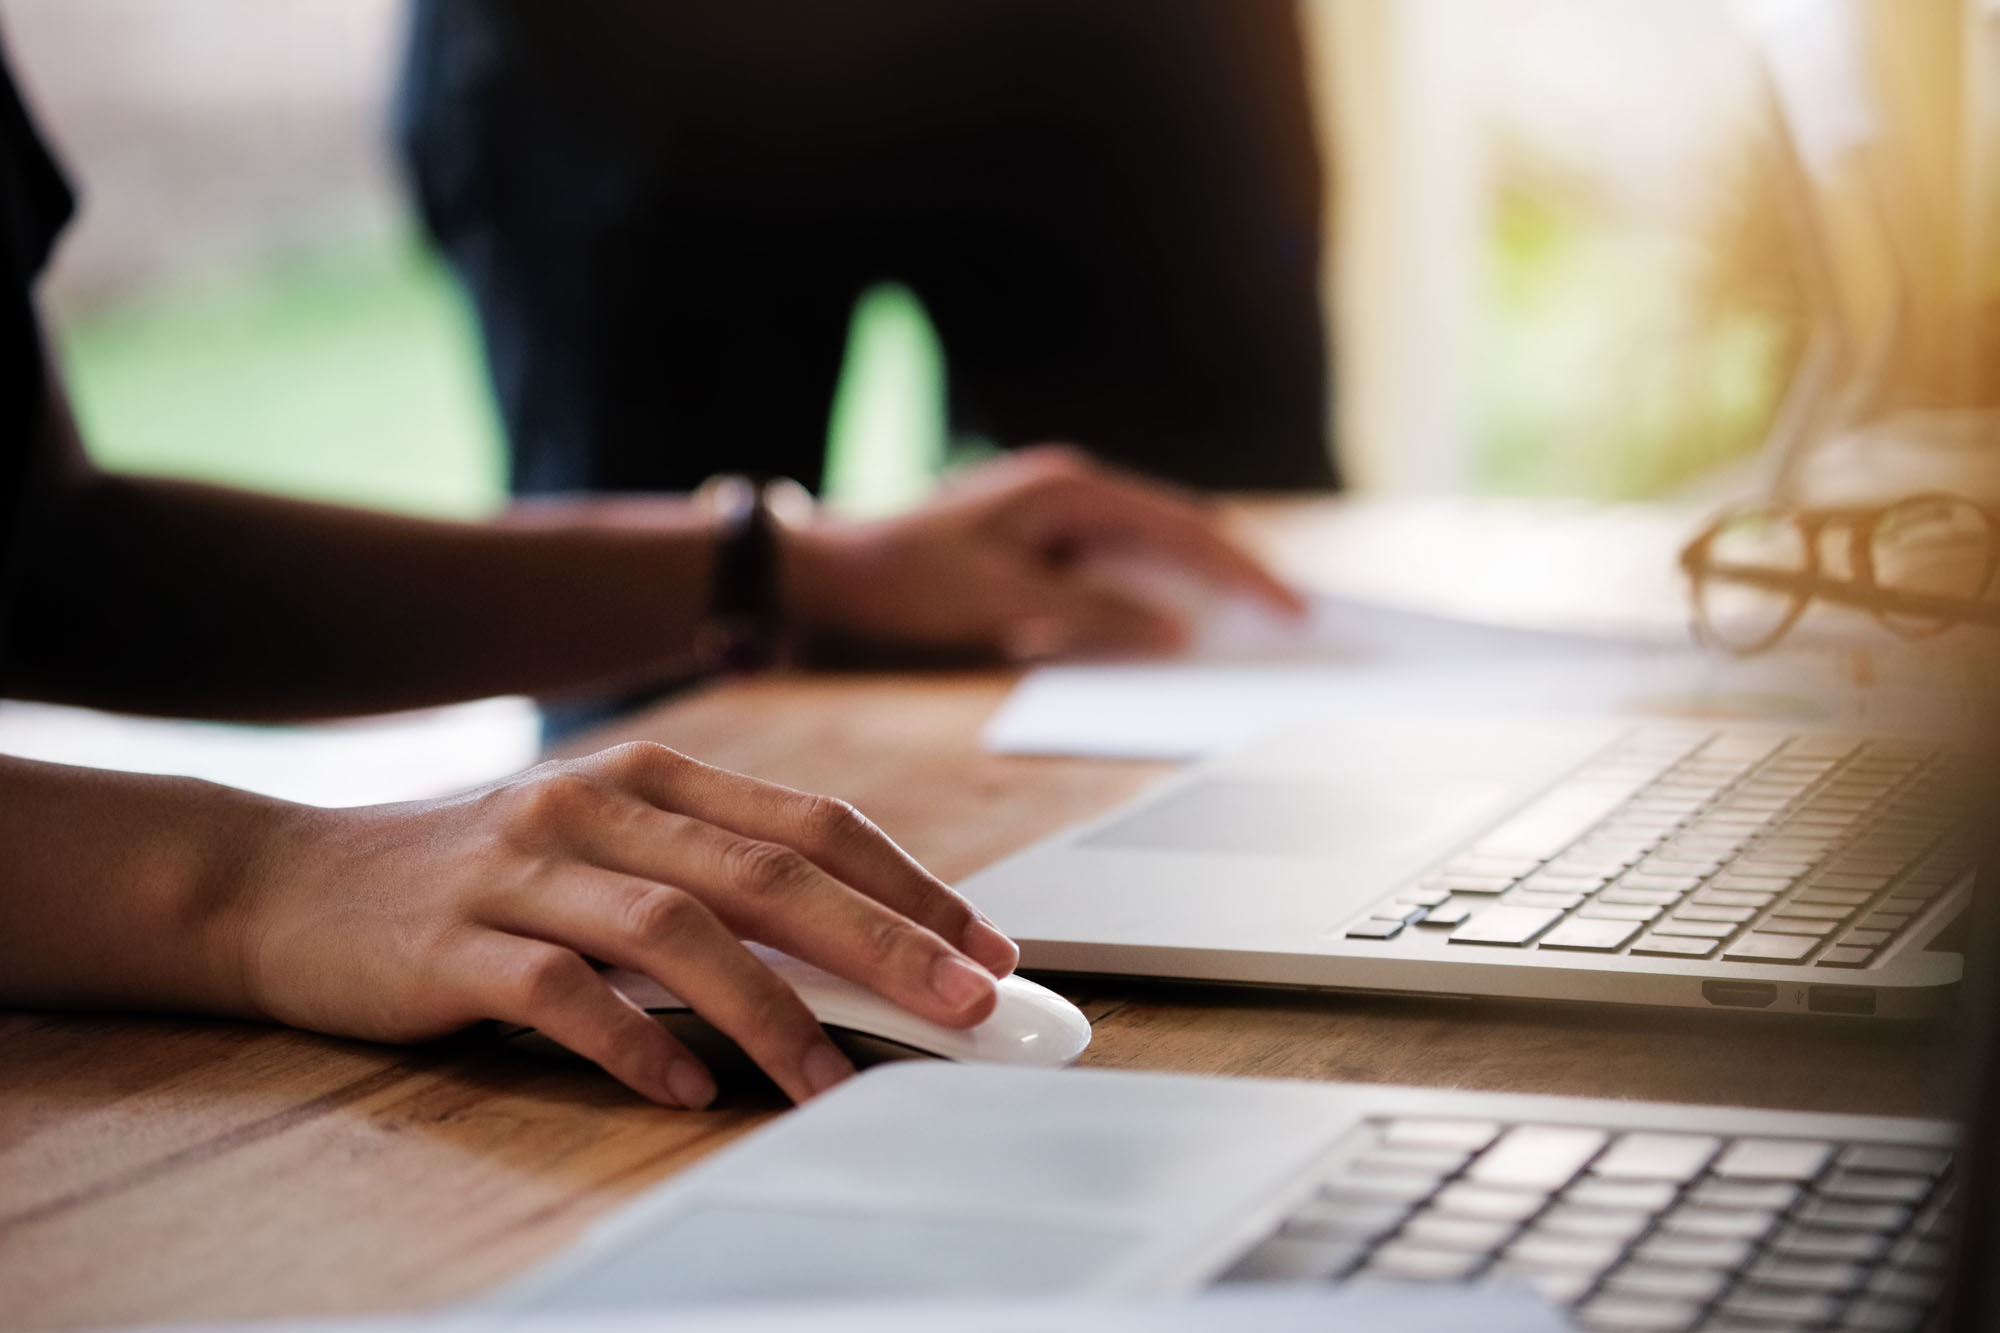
[[743, 1251], [1313, 819]]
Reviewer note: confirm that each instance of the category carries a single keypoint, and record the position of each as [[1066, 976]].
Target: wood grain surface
[[170, 1169]]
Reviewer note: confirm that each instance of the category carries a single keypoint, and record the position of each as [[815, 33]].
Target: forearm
[[182, 599], [120, 890]]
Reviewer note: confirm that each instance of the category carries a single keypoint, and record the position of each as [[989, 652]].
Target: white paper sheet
[[1401, 1308], [1353, 659]]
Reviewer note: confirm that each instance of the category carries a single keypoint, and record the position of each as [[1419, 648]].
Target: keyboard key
[[1839, 1215], [1619, 893], [1644, 1196], [1569, 1220], [1285, 1258], [1718, 1223], [1675, 946], [1777, 1304], [1552, 880], [1481, 884], [1731, 898], [1630, 1314], [1450, 914], [1699, 1285], [1560, 902], [1349, 1191], [1895, 1158], [1906, 906], [1831, 1275], [1604, 910], [1869, 1187], [1408, 1261], [1671, 1157], [1818, 1243], [1845, 955], [1348, 1219], [1553, 820], [1642, 879], [1708, 930], [1749, 883], [1437, 1163], [1762, 947], [1691, 868], [1866, 939], [1915, 1252], [1505, 925], [1373, 928], [1577, 1253], [1891, 921], [1444, 1232], [1711, 912], [1786, 925], [1694, 1251], [1865, 884], [1773, 1159], [1489, 1204], [1903, 1285], [1591, 934], [1818, 897], [1537, 1157], [1773, 1196], [1880, 1314], [1467, 1136]]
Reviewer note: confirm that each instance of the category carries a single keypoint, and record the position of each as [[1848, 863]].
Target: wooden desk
[[155, 1169]]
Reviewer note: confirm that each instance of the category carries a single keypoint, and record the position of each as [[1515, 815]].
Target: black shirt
[[35, 203]]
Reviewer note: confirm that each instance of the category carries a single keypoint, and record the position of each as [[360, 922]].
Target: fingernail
[[984, 941], [958, 983], [690, 1084], [825, 1067]]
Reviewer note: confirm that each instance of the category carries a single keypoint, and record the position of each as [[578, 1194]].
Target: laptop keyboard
[[1632, 1230], [1817, 850]]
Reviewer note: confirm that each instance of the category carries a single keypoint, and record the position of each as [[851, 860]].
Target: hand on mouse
[[405, 922], [1003, 559]]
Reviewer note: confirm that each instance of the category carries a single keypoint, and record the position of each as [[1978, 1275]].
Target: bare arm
[[175, 598]]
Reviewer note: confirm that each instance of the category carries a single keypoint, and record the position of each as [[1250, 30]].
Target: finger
[[776, 895], [676, 940], [830, 832], [1103, 506], [1080, 620], [542, 986]]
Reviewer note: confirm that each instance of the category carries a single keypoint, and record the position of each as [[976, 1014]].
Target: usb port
[[1740, 994], [1858, 1000]]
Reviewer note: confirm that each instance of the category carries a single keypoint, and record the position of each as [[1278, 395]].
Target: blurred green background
[[354, 375]]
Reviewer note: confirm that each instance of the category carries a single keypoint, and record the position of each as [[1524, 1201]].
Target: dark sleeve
[[35, 203]]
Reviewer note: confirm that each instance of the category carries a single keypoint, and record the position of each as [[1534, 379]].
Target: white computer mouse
[[1031, 1024]]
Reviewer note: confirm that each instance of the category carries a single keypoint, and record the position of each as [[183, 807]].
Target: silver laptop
[[1538, 858], [921, 1181]]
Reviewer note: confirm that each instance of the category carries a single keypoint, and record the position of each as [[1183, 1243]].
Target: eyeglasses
[[1919, 566]]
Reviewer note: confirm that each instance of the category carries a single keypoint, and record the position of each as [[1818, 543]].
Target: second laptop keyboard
[[1746, 847], [1633, 1231]]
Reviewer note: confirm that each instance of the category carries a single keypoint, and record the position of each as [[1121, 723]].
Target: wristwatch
[[746, 629]]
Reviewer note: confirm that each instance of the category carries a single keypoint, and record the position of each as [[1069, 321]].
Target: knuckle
[[639, 759], [538, 978], [1057, 457], [662, 913], [830, 821], [557, 799], [765, 868], [885, 939]]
